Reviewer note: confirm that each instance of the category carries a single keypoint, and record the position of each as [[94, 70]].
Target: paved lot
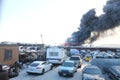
[[51, 75]]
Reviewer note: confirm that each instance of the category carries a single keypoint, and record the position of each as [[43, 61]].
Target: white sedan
[[39, 67]]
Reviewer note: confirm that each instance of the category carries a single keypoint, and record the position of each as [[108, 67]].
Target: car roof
[[69, 61], [38, 62], [92, 66], [75, 56], [115, 69]]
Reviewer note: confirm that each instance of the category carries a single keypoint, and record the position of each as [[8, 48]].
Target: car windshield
[[92, 71], [74, 58], [68, 64], [34, 64]]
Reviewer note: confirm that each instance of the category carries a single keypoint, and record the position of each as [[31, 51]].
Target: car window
[[34, 64], [74, 58], [92, 71], [44, 63], [68, 64]]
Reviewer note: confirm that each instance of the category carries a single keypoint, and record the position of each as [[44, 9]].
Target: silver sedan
[[92, 72]]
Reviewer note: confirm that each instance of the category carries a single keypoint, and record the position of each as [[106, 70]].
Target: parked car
[[5, 67], [68, 68], [77, 59], [114, 72], [92, 72], [88, 58], [116, 56], [14, 69], [39, 67]]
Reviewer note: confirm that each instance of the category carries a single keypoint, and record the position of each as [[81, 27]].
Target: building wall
[[15, 54]]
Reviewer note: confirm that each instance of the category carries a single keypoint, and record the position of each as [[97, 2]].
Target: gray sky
[[26, 20]]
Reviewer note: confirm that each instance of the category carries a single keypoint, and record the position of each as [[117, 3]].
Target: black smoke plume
[[92, 23]]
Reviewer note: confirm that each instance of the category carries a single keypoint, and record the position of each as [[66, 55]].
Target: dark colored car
[[14, 69], [3, 73], [77, 59], [114, 72]]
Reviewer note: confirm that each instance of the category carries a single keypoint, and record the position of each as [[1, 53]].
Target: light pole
[[42, 38]]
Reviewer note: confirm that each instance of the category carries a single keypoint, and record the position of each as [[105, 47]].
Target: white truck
[[56, 55]]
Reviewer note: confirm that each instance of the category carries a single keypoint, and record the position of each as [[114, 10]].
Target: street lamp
[[42, 38]]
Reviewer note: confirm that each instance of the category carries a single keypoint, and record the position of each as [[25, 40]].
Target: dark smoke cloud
[[92, 23]]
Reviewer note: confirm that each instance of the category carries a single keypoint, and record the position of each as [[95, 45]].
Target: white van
[[56, 55]]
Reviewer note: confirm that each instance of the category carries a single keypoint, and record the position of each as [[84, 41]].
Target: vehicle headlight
[[71, 71], [59, 70]]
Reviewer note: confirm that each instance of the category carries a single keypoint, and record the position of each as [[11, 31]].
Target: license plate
[[64, 74], [31, 69]]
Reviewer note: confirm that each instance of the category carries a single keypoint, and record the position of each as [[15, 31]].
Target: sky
[[43, 21], [111, 38]]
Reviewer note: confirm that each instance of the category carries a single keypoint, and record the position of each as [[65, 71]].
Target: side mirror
[[49, 62], [75, 65]]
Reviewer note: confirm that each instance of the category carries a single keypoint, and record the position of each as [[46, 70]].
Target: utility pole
[[42, 38]]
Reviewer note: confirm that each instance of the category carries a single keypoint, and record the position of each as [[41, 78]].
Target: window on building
[[7, 54], [53, 54]]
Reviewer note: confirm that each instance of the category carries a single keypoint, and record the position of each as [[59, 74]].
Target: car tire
[[60, 74], [76, 71], [28, 73], [72, 75], [51, 67], [79, 66], [43, 71], [13, 73]]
